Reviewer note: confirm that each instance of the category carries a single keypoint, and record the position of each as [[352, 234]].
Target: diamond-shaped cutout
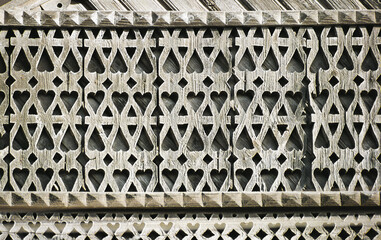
[[343, 234], [131, 82], [9, 158], [132, 159], [333, 81], [207, 82], [258, 82], [358, 80], [232, 81], [107, 160], [282, 159], [107, 83], [306, 81], [182, 159], [315, 234], [32, 82], [282, 81], [333, 157], [153, 235], [83, 82], [158, 82], [101, 234], [57, 82], [158, 160], [10, 81], [57, 157], [32, 158], [183, 83], [289, 234], [257, 158], [208, 234], [371, 233], [233, 234], [261, 234], [181, 234], [207, 159], [358, 158]]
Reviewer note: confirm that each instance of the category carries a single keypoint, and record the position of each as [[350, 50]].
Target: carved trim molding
[[183, 19], [79, 200]]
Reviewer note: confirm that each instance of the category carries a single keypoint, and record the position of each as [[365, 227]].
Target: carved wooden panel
[[120, 99], [185, 125], [268, 109], [182, 225], [45, 139]]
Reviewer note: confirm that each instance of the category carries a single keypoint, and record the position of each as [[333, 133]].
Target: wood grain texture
[[214, 117], [104, 18]]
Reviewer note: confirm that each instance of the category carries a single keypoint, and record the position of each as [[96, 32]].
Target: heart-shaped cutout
[[369, 98], [170, 177], [269, 177], [322, 176], [247, 226], [69, 178], [34, 226], [121, 177], [294, 99], [193, 226], [69, 99], [245, 98], [95, 100], [20, 176], [113, 226], [244, 176], [270, 99], [143, 100], [45, 176], [347, 176], [293, 177], [219, 99], [369, 177], [20, 98], [196, 100], [346, 98], [218, 177], [195, 177], [86, 225], [144, 178], [139, 226], [96, 177], [120, 100], [166, 226], [46, 98], [169, 100], [321, 98]]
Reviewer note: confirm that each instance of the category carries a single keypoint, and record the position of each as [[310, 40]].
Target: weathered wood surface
[[154, 225], [190, 5], [62, 201], [196, 110], [9, 17]]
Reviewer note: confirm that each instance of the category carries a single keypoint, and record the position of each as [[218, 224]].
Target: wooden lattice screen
[[206, 126]]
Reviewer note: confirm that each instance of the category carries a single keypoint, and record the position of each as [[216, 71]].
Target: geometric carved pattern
[[346, 109], [266, 109], [45, 139], [120, 99], [181, 225], [348, 15]]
